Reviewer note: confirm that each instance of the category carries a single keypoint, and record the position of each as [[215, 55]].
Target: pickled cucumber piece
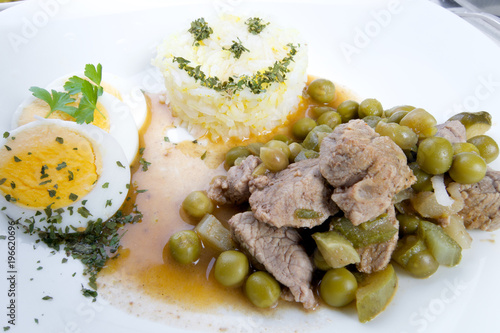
[[407, 247], [475, 123], [214, 234], [375, 292], [319, 261], [378, 230], [337, 251], [443, 247]]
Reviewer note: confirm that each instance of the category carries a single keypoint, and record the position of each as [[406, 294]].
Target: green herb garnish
[[255, 25], [47, 298], [237, 49], [145, 164], [257, 83], [73, 197], [61, 166], [200, 30], [90, 92]]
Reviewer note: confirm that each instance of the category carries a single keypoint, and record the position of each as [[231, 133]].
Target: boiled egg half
[[122, 110], [58, 172]]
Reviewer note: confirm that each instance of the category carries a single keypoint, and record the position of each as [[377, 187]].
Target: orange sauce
[[144, 262]]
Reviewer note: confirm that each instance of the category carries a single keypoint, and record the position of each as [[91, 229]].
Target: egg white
[[117, 179], [125, 117]]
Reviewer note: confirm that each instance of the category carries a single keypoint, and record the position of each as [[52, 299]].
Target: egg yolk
[[41, 108], [47, 165]]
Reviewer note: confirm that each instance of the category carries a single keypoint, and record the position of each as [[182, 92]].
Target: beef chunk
[[375, 257], [366, 169], [283, 199], [482, 203], [234, 188], [279, 250], [453, 130]]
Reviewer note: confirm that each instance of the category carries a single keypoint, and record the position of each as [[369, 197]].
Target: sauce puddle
[[144, 276]]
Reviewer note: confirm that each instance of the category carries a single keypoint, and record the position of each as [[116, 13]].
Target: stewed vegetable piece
[[185, 246], [197, 204], [435, 155], [488, 148], [338, 287], [231, 268], [467, 168], [321, 90], [262, 289]]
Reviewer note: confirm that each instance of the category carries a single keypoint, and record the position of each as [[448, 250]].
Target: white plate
[[401, 52]]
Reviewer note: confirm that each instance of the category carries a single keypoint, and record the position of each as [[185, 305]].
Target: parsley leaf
[[90, 92], [94, 74], [56, 100]]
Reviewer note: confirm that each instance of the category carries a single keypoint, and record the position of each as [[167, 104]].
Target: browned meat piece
[[375, 257], [366, 169], [279, 250], [295, 197], [482, 203], [234, 188], [453, 130]]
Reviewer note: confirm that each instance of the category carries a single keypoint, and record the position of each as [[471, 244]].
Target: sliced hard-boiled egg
[[128, 93], [122, 89], [55, 172], [115, 117]]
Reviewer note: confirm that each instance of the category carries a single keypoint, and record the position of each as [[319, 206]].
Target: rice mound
[[237, 113]]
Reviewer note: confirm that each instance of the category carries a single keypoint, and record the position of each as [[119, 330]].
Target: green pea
[[330, 118], [283, 137], [302, 127], [403, 136], [421, 122], [254, 148], [397, 116], [317, 111], [408, 224], [467, 168], [315, 137], [274, 159], [423, 182], [279, 145], [422, 264], [185, 246], [370, 107], [406, 108], [262, 289], [488, 148], [295, 149], [348, 110], [464, 147], [197, 204], [338, 287], [435, 155], [231, 268], [321, 90], [234, 153], [372, 121]]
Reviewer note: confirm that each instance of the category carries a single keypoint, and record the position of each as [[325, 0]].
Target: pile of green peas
[[232, 268], [412, 129]]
